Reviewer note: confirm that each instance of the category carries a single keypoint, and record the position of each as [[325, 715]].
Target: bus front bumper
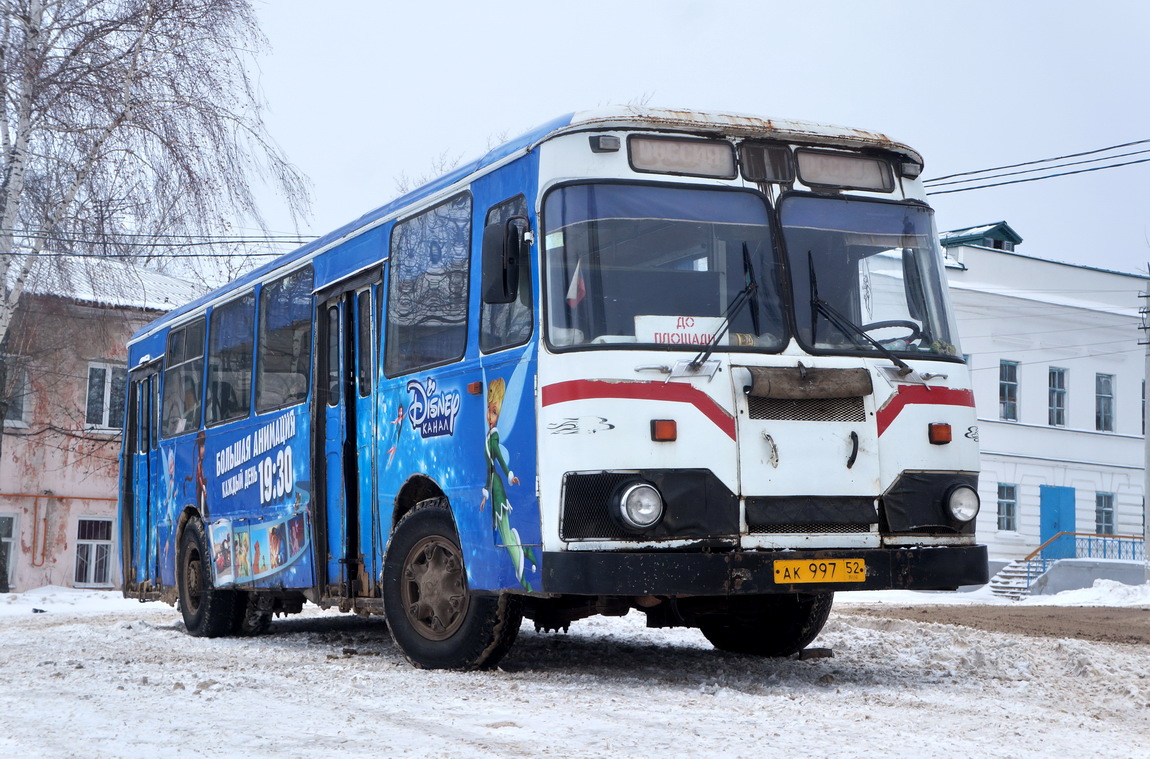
[[603, 573]]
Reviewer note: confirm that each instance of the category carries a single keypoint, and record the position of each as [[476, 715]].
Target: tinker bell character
[[497, 491]]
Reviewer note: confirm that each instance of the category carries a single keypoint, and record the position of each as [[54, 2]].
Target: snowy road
[[110, 678]]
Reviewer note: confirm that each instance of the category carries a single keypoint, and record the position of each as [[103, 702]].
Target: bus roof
[[615, 117]]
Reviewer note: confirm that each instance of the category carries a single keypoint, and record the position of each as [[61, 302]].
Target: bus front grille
[[807, 529], [807, 409]]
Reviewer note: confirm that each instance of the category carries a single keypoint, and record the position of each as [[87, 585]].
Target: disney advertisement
[[481, 449]]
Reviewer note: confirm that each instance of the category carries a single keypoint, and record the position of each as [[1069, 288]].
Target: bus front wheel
[[207, 612], [768, 625], [432, 617]]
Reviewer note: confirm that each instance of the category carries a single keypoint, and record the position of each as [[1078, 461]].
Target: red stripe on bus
[[921, 395], [673, 392]]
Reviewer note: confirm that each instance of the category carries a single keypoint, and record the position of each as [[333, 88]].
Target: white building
[[1058, 377]]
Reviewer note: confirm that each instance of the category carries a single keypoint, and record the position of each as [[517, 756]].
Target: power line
[[158, 235], [1035, 179], [1031, 163], [175, 245], [936, 183]]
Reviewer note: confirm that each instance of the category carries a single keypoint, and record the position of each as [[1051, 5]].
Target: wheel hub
[[434, 588], [193, 581]]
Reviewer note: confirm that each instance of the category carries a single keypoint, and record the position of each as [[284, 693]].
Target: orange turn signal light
[[939, 433], [664, 430]]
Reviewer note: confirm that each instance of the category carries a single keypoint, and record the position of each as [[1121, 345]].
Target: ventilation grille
[[804, 529], [586, 499], [808, 409]]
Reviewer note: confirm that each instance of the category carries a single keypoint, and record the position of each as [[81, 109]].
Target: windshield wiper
[[845, 325], [749, 294]]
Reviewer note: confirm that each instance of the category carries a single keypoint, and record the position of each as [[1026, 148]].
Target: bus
[[701, 366]]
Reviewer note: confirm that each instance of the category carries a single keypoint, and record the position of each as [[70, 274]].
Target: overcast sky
[[361, 92]]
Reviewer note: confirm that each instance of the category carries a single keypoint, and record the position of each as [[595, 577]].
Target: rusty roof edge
[[734, 124]]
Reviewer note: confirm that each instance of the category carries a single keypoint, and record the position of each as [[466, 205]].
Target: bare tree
[[124, 123]]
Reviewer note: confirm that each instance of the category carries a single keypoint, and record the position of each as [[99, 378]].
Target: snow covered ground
[[98, 676]]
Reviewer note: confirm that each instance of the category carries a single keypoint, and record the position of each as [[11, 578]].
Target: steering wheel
[[916, 332]]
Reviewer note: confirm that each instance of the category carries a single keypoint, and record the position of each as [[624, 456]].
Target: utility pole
[[1144, 313]]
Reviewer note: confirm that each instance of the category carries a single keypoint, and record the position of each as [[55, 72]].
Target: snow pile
[[1104, 593], [56, 599]]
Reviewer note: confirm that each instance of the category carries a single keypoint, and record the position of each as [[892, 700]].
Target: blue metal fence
[[1083, 546]]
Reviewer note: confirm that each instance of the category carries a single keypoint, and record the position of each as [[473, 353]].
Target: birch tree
[[124, 122]]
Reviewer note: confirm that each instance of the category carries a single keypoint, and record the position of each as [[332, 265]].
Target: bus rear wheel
[[768, 625], [432, 616], [207, 612]]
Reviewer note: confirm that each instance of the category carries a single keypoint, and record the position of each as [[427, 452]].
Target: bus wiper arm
[[846, 325], [753, 294], [744, 296]]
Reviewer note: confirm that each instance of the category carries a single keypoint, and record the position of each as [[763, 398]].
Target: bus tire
[[768, 625], [207, 612], [433, 619]]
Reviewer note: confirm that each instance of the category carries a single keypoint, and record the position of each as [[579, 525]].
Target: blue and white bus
[[701, 366]]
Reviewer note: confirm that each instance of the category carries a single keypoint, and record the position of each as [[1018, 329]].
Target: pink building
[[62, 377]]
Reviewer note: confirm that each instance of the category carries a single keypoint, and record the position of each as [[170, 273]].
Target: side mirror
[[504, 246]]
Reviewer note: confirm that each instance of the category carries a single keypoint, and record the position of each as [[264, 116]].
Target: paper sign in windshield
[[677, 330]]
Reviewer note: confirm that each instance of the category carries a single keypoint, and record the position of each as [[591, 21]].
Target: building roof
[[999, 230], [107, 282]]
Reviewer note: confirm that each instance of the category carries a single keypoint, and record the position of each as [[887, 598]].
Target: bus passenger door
[[366, 367], [335, 411], [346, 366], [140, 507]]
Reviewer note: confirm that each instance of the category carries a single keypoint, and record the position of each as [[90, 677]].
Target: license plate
[[820, 570]]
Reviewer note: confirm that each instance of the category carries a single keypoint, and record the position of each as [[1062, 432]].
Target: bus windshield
[[665, 266], [864, 269]]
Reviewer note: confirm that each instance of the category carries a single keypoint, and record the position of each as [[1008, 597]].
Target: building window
[[1104, 513], [1007, 507], [94, 552], [15, 402], [1008, 390], [1057, 412], [7, 533], [1104, 402], [105, 404]]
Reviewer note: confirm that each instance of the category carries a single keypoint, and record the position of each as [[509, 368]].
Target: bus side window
[[334, 365], [230, 339], [283, 358], [504, 325], [427, 288], [364, 349], [183, 379]]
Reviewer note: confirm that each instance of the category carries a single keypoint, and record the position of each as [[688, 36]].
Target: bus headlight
[[962, 503], [639, 506]]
